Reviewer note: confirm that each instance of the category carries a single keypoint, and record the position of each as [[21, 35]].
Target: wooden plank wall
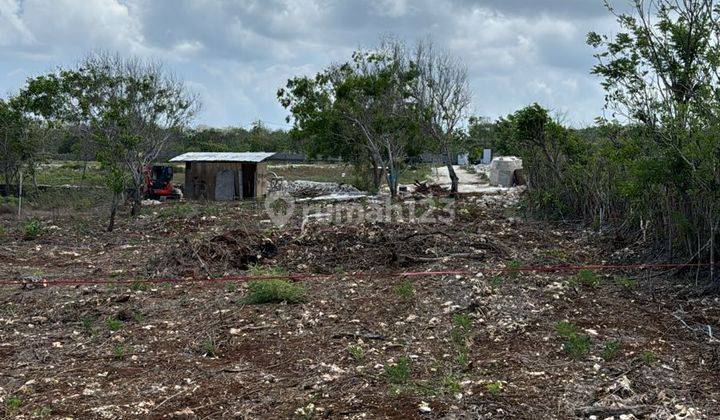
[[200, 178]]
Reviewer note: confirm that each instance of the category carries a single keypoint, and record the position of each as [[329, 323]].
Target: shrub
[[274, 291], [31, 229], [399, 372], [585, 277], [576, 345]]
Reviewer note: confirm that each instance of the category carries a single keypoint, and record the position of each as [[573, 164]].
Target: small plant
[[462, 321], [274, 291], [2, 231], [31, 229], [585, 277], [139, 286], [356, 352], [209, 348], [231, 287], [462, 358], [576, 345], [404, 290], [494, 388], [13, 403], [399, 372], [610, 351], [513, 268], [495, 282], [625, 282], [648, 357], [87, 323], [121, 351], [113, 324], [451, 384]]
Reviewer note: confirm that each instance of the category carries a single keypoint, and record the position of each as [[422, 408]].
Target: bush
[[31, 229], [576, 345], [274, 291]]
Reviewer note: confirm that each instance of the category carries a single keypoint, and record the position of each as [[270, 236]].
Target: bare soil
[[476, 345]]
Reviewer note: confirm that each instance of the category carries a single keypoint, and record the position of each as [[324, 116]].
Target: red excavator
[[158, 183]]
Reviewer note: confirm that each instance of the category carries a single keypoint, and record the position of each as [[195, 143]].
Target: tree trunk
[[392, 180], [113, 211], [454, 180], [136, 202]]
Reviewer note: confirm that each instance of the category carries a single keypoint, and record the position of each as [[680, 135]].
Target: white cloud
[[236, 54]]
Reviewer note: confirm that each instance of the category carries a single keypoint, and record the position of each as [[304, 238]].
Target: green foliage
[[31, 229], [272, 290], [13, 403], [398, 372], [494, 388], [625, 282], [576, 345], [209, 348], [610, 350], [356, 352], [404, 290], [113, 324], [585, 277], [648, 357], [121, 351], [513, 268]]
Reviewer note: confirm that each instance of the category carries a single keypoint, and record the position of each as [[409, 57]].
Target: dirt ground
[[360, 345]]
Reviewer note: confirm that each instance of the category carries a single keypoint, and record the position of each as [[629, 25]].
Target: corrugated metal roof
[[222, 157]]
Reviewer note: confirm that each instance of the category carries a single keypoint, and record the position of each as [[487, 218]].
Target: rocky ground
[[363, 342]]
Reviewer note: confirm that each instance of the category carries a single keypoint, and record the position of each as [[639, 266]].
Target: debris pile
[[305, 189], [237, 249], [429, 189]]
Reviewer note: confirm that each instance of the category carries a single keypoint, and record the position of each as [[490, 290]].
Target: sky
[[235, 54]]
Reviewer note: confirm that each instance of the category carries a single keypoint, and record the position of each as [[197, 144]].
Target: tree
[[661, 72], [362, 108], [443, 92], [17, 146], [128, 108]]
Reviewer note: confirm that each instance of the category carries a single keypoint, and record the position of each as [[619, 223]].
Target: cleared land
[[528, 345]]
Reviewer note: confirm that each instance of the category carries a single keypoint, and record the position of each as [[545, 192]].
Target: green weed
[[113, 324], [399, 372], [494, 388], [31, 229], [610, 351], [356, 352], [404, 290], [576, 345], [585, 277], [274, 291]]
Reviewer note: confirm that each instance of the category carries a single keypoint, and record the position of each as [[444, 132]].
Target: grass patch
[[398, 373], [356, 352], [585, 277], [404, 290], [272, 290], [113, 324], [610, 351], [513, 268], [494, 388], [13, 403], [625, 282], [575, 344]]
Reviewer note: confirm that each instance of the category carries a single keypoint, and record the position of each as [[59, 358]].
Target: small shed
[[224, 176]]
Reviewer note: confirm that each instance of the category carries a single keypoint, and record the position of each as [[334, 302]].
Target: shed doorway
[[225, 185], [248, 180]]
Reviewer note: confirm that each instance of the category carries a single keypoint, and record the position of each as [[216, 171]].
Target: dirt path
[[469, 182]]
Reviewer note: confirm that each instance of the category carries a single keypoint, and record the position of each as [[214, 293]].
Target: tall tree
[[443, 92], [129, 108], [362, 108]]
